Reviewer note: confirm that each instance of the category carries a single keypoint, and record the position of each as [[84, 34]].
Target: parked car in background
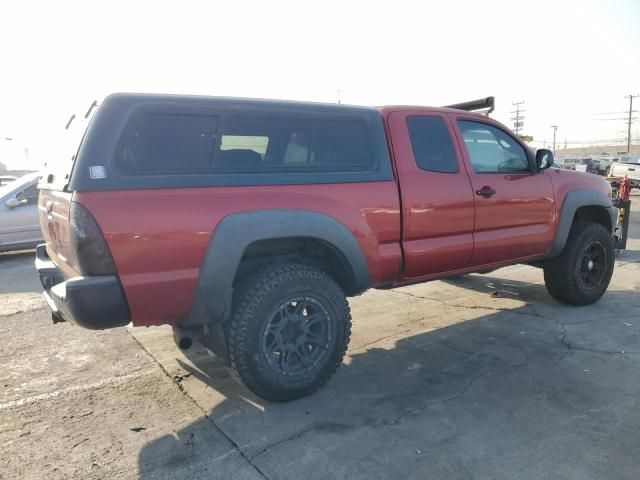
[[630, 170], [584, 164], [604, 164], [599, 167], [590, 165], [19, 225], [629, 158], [567, 163], [4, 179]]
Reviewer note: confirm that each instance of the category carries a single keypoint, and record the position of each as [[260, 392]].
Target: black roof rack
[[486, 104]]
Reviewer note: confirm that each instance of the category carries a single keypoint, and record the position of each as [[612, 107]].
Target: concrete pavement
[[477, 377]]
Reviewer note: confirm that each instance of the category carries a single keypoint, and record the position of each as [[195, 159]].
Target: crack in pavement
[[418, 320], [177, 381], [314, 427], [470, 307], [571, 346], [73, 447], [457, 396], [180, 378], [73, 389], [392, 335], [20, 312], [380, 339], [337, 427]]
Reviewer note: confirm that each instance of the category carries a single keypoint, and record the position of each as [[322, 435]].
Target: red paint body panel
[[438, 208], [519, 220], [53, 215], [566, 180], [158, 237]]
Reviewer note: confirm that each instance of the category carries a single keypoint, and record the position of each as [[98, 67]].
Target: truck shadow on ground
[[539, 385]]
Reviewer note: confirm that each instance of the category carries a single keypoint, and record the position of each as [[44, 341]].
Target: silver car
[[19, 226]]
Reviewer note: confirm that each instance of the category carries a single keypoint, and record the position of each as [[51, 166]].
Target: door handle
[[486, 192]]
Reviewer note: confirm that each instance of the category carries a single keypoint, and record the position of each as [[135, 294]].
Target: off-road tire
[[259, 295], [562, 275]]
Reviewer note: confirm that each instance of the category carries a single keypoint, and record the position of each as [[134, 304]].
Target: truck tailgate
[[53, 213]]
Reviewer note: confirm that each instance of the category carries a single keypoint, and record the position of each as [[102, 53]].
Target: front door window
[[491, 150]]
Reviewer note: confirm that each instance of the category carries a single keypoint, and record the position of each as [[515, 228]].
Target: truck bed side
[[159, 266]]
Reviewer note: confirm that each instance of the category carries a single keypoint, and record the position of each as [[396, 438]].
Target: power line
[[555, 128], [608, 113], [518, 120], [630, 97], [616, 119], [587, 142]]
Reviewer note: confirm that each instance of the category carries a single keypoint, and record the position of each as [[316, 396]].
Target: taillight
[[88, 243]]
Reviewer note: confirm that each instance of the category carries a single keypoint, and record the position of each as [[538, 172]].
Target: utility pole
[[518, 120], [555, 127], [630, 97]]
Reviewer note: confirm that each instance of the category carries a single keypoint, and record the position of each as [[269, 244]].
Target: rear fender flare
[[235, 232]]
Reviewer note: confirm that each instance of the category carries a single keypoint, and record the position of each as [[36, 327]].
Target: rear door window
[[431, 143], [166, 142]]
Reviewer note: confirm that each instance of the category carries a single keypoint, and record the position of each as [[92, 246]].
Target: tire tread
[[558, 272], [247, 299]]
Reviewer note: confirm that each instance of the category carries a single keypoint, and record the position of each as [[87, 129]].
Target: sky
[[571, 62]]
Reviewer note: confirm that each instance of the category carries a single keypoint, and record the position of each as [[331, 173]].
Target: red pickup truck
[[245, 224]]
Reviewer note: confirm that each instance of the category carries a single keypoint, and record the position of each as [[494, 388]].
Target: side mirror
[[544, 158], [12, 203]]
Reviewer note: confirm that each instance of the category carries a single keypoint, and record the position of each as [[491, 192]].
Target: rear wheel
[[289, 331], [581, 273]]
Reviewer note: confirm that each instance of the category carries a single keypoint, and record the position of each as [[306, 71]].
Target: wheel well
[[593, 214], [309, 251]]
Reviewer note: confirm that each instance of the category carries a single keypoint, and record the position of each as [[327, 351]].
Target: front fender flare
[[572, 202]]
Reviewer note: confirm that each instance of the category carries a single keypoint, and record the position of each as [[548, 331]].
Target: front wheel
[[289, 331], [581, 273]]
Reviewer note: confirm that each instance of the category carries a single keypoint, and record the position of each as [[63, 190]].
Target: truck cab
[[471, 193]]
